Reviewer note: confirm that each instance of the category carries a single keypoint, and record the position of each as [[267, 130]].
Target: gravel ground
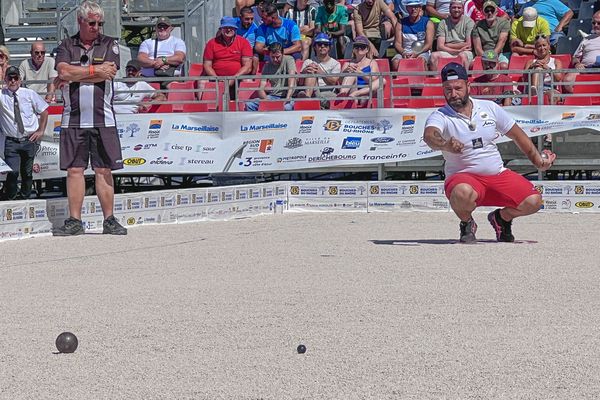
[[389, 306]]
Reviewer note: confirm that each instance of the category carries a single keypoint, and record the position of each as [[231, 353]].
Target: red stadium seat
[[407, 65], [518, 62], [400, 91], [271, 105], [212, 94], [196, 69], [245, 91], [592, 86], [341, 104], [434, 90], [184, 91], [578, 101], [447, 60], [307, 105], [565, 59]]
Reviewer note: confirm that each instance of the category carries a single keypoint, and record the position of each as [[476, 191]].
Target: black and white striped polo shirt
[[88, 105]]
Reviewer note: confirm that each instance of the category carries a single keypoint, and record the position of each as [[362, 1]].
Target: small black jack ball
[[301, 349], [66, 342]]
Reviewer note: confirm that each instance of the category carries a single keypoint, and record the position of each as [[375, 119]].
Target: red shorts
[[507, 189]]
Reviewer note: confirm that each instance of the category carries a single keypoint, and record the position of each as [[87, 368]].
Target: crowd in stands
[[335, 48]]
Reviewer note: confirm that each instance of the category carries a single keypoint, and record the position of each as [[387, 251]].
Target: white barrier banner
[[327, 196], [278, 141]]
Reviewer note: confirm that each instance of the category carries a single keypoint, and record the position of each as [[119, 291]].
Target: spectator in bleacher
[[491, 82], [556, 13], [246, 27], [545, 64], [39, 68], [414, 35], [475, 9], [227, 54], [321, 63], [303, 14], [164, 55], [257, 8], [332, 20], [454, 37], [137, 94], [21, 132], [491, 33], [437, 10], [276, 29], [363, 83], [4, 63], [524, 30], [587, 54], [281, 88], [374, 20]]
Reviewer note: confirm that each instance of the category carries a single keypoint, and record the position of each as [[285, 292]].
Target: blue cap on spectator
[[228, 22], [322, 38], [454, 71], [412, 3]]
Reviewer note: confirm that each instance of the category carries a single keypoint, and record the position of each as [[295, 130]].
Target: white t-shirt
[[166, 48], [30, 105], [480, 154], [332, 66], [124, 93], [29, 73]]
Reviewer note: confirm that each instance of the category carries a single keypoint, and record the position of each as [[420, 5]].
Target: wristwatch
[[164, 60]]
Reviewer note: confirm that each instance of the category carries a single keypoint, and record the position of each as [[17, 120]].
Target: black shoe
[[72, 227], [503, 229], [467, 231], [112, 227]]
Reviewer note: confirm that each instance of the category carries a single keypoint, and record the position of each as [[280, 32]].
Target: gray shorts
[[79, 146]]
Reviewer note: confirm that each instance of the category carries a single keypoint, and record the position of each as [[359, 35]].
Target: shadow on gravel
[[418, 242]]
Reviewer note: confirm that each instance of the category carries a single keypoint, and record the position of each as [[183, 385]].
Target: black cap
[[134, 64], [13, 71], [454, 71]]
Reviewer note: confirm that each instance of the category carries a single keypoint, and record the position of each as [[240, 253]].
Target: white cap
[[530, 15]]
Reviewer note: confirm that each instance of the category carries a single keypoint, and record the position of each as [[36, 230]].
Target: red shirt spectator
[[227, 54]]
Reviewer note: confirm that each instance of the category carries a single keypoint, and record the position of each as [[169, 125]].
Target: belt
[[18, 140]]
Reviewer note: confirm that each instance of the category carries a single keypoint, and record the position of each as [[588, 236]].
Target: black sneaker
[[503, 229], [112, 227], [72, 227], [467, 231]]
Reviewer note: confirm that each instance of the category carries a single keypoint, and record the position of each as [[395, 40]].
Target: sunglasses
[[360, 46], [322, 44], [84, 59], [93, 23], [12, 78], [595, 22], [39, 53], [489, 10], [162, 26], [2, 55], [228, 28], [128, 70], [541, 37]]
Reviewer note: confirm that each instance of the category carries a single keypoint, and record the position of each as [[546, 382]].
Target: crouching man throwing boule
[[465, 131]]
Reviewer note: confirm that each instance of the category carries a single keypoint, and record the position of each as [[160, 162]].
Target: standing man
[[21, 108], [39, 68], [87, 64], [465, 131]]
